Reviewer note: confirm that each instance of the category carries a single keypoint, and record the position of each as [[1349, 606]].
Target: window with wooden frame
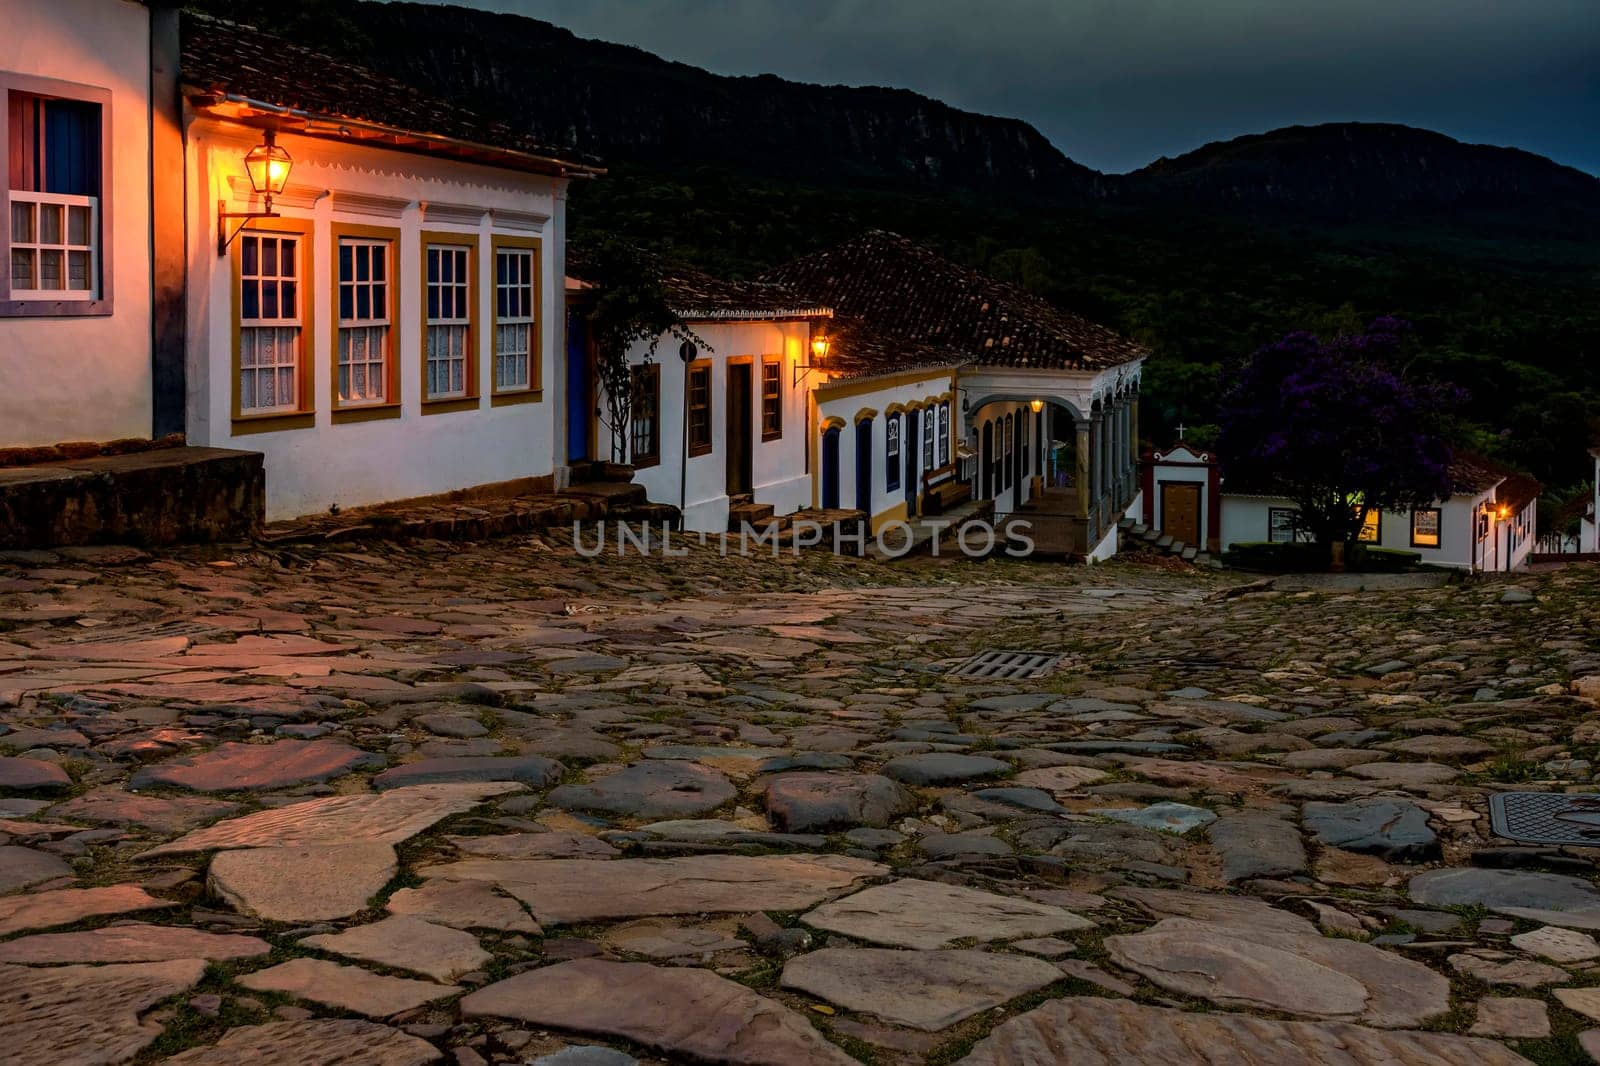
[[644, 433], [56, 146], [366, 294], [891, 452], [771, 398], [272, 373], [1426, 527], [518, 375], [449, 327], [698, 385], [1283, 525]]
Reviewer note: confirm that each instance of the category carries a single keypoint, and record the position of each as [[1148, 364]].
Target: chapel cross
[[1181, 428]]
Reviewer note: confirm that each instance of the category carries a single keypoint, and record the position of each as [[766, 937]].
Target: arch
[[895, 408], [865, 413], [831, 422]]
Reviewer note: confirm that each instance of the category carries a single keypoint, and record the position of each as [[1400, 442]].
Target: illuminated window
[[54, 192], [270, 323], [1425, 527], [365, 321], [1371, 528], [449, 322], [514, 322], [699, 408]]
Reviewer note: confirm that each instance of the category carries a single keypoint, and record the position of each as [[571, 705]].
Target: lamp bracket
[[224, 238], [800, 372]]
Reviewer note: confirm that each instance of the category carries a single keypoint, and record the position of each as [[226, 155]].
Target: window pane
[[289, 307], [78, 271], [49, 223], [22, 264], [50, 271], [269, 257], [363, 302], [22, 223], [380, 257], [78, 225], [249, 256], [346, 260], [269, 300], [250, 301]]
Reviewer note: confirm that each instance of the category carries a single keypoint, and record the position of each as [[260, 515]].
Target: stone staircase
[[610, 487], [1136, 534], [743, 509]]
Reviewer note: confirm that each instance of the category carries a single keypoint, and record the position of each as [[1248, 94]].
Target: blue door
[[864, 466], [830, 468], [579, 414], [912, 446]]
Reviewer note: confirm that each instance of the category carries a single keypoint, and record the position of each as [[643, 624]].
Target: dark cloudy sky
[[1115, 83]]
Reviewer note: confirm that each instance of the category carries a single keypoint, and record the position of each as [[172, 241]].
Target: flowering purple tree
[[1336, 427]]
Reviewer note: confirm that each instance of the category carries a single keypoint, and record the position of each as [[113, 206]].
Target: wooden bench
[[942, 491]]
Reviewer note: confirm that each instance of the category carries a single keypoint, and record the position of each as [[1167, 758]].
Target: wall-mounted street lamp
[[267, 166], [821, 344], [1036, 405]]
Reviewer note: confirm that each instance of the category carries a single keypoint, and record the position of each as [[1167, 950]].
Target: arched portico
[[1096, 414]]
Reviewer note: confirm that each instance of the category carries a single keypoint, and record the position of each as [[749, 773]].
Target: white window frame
[[891, 452], [448, 327], [512, 325], [37, 204], [930, 439], [251, 329], [381, 325], [64, 302]]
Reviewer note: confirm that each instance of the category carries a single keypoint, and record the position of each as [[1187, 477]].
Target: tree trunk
[[1336, 557]]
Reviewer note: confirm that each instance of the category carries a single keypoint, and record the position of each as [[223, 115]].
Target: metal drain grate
[[1007, 665], [1546, 817]]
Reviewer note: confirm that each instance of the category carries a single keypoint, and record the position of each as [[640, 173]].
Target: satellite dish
[[687, 351]]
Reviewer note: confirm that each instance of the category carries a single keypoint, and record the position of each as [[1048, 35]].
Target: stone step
[[1188, 554], [618, 496], [756, 514], [1166, 542]]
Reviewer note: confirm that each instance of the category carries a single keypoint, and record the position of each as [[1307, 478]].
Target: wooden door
[[830, 468], [740, 452], [1180, 511], [864, 466]]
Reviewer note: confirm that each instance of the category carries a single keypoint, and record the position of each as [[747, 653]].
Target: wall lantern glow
[[821, 344], [267, 166], [1036, 405]]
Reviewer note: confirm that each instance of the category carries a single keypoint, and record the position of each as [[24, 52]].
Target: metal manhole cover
[[1546, 817], [1007, 665]]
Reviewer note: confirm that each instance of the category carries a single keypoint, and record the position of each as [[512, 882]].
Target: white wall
[[843, 400], [778, 467], [87, 377], [415, 454], [1244, 521]]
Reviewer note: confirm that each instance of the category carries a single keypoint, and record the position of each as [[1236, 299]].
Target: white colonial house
[[76, 297], [1486, 524], [1043, 413], [717, 429], [380, 329]]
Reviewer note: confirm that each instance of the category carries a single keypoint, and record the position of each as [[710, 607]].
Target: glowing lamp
[[267, 167], [819, 347], [1036, 405]]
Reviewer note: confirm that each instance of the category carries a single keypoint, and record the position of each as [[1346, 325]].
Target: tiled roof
[[224, 57], [1517, 491], [699, 296], [908, 292], [860, 350], [1474, 473]]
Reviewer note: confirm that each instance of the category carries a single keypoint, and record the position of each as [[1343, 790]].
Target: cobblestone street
[[497, 802]]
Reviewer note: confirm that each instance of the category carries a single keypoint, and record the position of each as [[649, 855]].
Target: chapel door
[[1180, 512]]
